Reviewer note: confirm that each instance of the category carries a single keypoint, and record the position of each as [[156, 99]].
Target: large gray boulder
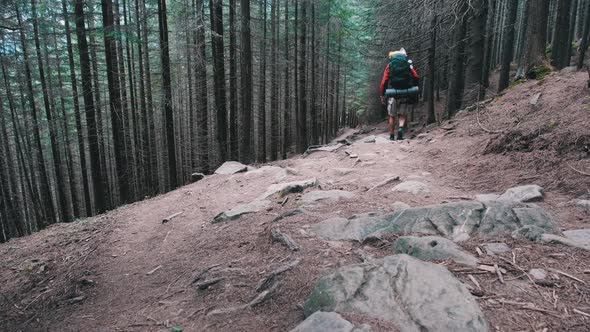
[[414, 296], [283, 189], [240, 210], [231, 167], [432, 248], [457, 221], [528, 193], [328, 322], [583, 204], [319, 195]]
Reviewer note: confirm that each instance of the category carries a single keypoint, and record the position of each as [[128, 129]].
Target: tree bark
[[216, 10], [508, 45], [475, 51], [48, 208], [75, 97], [95, 169], [585, 37], [274, 96], [287, 110], [261, 121], [536, 36], [302, 112], [456, 82], [202, 99], [166, 85], [234, 151], [431, 116], [246, 83], [560, 46]]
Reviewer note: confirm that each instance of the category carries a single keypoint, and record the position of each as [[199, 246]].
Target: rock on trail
[[415, 296]]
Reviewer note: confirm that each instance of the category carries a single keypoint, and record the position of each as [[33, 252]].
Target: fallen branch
[[268, 281], [524, 272], [154, 270], [385, 182], [498, 273], [474, 281], [202, 273], [284, 239], [265, 295], [482, 127], [569, 276], [578, 171], [208, 283], [289, 213], [581, 312], [167, 219]]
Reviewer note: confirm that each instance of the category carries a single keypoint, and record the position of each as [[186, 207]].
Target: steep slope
[[128, 271]]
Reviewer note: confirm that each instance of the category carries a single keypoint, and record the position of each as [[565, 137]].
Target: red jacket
[[386, 78]]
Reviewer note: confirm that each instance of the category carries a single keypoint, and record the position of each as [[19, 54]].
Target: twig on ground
[[577, 170], [474, 281], [498, 273], [170, 217], [581, 312], [523, 271], [35, 299], [208, 283], [268, 281], [284, 239], [154, 270], [569, 276]]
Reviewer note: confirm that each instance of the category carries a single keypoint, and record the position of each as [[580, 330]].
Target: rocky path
[[372, 236]]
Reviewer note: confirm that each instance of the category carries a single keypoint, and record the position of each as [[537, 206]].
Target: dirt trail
[[127, 271]]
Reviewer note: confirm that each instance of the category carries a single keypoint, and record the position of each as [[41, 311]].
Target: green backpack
[[400, 75]]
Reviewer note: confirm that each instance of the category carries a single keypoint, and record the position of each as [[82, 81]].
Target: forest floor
[[128, 271]]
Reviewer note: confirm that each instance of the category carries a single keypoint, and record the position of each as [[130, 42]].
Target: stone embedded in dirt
[[400, 206], [583, 204], [456, 221], [328, 322], [432, 248], [288, 187], [535, 100], [523, 194], [231, 167], [370, 139], [382, 140], [342, 171], [530, 232], [493, 249], [413, 295], [240, 210], [319, 195], [278, 173], [197, 177], [412, 187], [581, 236], [538, 274], [487, 197], [385, 182]]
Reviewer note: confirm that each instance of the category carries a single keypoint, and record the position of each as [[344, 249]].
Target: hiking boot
[[400, 134], [392, 137]]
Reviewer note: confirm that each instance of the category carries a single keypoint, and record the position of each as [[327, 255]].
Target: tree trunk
[[216, 9], [585, 36], [302, 112], [234, 151], [287, 103], [560, 46], [489, 41], [166, 85], [115, 101], [508, 46], [475, 51], [572, 30], [274, 96], [75, 97], [314, 68], [261, 151], [246, 83], [89, 110], [431, 116], [456, 82], [536, 36], [202, 99], [49, 211]]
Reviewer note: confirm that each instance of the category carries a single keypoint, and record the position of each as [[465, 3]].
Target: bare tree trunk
[[431, 116], [287, 114], [508, 46], [166, 85], [274, 96], [585, 36], [246, 82], [536, 36], [475, 51], [234, 150], [95, 169], [302, 112], [457, 83], [560, 46], [49, 211], [216, 9], [202, 99], [261, 119], [79, 129]]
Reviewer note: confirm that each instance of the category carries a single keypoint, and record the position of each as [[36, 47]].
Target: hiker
[[400, 75]]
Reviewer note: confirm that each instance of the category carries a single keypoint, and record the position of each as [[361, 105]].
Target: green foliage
[[539, 72]]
